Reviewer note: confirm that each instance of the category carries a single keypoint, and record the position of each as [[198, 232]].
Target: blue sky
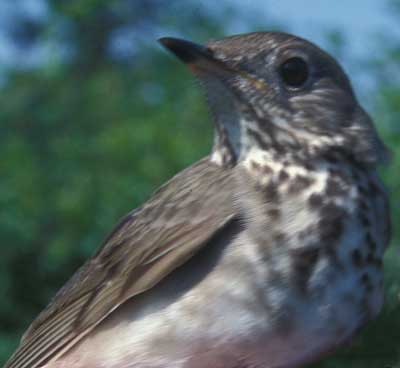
[[359, 20], [9, 54]]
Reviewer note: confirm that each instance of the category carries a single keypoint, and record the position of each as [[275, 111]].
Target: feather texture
[[146, 245]]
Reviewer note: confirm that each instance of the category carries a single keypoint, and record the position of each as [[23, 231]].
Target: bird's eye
[[294, 72]]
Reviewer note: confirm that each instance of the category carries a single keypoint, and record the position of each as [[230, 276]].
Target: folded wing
[[146, 245]]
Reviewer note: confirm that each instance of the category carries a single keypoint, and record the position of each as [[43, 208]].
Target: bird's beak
[[199, 58]]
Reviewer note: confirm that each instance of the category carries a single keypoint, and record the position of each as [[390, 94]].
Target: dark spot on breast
[[362, 190], [362, 204], [306, 257], [315, 200], [334, 188], [330, 225], [374, 190], [279, 238], [364, 220], [274, 213], [331, 211], [366, 281], [370, 258], [265, 169], [365, 278], [303, 262], [357, 258], [299, 183], [271, 192], [258, 138], [283, 176], [371, 242], [255, 166], [334, 171], [331, 158], [330, 251], [303, 234], [308, 166]]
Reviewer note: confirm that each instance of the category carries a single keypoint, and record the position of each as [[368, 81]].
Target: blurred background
[[94, 116]]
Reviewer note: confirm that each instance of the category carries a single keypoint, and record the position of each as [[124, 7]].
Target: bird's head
[[277, 92]]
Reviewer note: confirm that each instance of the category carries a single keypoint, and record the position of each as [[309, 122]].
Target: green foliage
[[82, 143], [85, 139]]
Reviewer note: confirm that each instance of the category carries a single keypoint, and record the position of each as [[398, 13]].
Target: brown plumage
[[266, 253], [144, 247]]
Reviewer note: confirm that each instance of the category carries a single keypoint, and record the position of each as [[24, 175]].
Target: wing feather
[[146, 245]]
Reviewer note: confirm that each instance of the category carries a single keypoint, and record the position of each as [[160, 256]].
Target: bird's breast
[[302, 275], [320, 229]]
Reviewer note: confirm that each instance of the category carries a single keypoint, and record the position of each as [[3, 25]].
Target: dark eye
[[294, 72]]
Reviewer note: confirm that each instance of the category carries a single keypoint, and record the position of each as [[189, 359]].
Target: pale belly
[[255, 302], [227, 319]]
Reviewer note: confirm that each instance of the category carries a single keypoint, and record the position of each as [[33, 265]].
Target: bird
[[265, 253]]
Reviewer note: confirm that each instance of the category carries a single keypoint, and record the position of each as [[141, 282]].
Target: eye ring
[[294, 72]]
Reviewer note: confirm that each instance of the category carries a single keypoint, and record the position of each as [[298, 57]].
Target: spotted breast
[[322, 227]]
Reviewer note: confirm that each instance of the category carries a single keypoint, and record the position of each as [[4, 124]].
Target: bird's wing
[[147, 245]]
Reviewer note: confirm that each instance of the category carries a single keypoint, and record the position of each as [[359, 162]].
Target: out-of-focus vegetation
[[89, 133]]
